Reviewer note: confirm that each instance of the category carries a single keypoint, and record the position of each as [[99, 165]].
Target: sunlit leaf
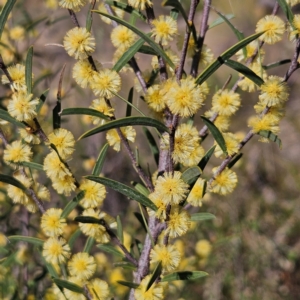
[[191, 175], [28, 239], [220, 20], [33, 165], [128, 284], [271, 136], [287, 11], [202, 217], [276, 64], [100, 160], [83, 111], [72, 204], [89, 244]]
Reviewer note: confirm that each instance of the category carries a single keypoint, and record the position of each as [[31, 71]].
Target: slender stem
[[187, 35], [73, 17], [201, 37]]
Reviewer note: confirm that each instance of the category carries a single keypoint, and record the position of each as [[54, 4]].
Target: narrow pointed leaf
[[147, 50], [110, 249], [247, 72], [235, 160], [216, 133], [120, 229], [33, 165], [68, 285], [89, 19], [202, 217], [140, 188], [125, 190], [100, 160], [35, 23], [184, 275], [205, 159], [89, 244], [28, 239], [128, 55], [12, 181], [129, 121], [4, 14], [276, 64], [152, 144], [130, 99], [191, 175], [42, 100], [144, 36], [129, 9], [28, 70], [87, 220], [72, 204], [287, 11], [219, 21], [4, 115], [215, 65], [271, 136], [140, 219], [125, 265], [128, 284], [155, 275], [83, 111], [73, 238]]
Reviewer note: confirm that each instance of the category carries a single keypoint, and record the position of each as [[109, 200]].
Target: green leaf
[[129, 9], [33, 24], [128, 284], [130, 99], [88, 220], [33, 165], [4, 14], [140, 188], [235, 160], [247, 72], [276, 64], [147, 50], [125, 265], [205, 159], [184, 275], [125, 190], [72, 204], [4, 115], [220, 20], [28, 70], [177, 5], [83, 111], [89, 244], [191, 175], [42, 100], [128, 55], [12, 181], [89, 19], [28, 239], [120, 229], [287, 11], [74, 237], [141, 220], [129, 121], [155, 275], [152, 144], [216, 133], [202, 217], [215, 65], [144, 36], [68, 285], [271, 136], [100, 160], [110, 249]]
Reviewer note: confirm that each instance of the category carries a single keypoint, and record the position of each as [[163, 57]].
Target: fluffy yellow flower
[[72, 4], [251, 49], [173, 57], [64, 142], [82, 266], [168, 255], [274, 91], [101, 106], [203, 248], [17, 33], [17, 152], [27, 135], [179, 222], [184, 99], [64, 185], [224, 183], [73, 295], [79, 43], [114, 140], [122, 37], [22, 107], [267, 122], [226, 102], [140, 4], [98, 289], [206, 56], [195, 197], [164, 29], [94, 194], [171, 188], [161, 212], [232, 144], [156, 291], [292, 2], [274, 28], [155, 98], [17, 74], [106, 83], [51, 223], [83, 72], [17, 195], [56, 250]]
